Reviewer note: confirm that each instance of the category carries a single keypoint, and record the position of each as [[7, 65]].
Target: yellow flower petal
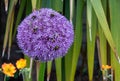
[[21, 63], [8, 69], [105, 67]]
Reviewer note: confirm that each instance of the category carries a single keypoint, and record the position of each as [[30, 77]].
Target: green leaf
[[10, 35], [34, 2], [19, 16], [91, 37], [28, 7], [102, 40], [57, 5], [115, 30], [49, 66], [77, 37], [8, 24], [66, 13], [104, 25], [58, 69], [38, 5], [42, 71], [68, 60]]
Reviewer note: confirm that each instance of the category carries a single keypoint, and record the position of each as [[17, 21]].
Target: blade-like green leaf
[[57, 5], [104, 25], [28, 7], [38, 5], [11, 9], [66, 13], [34, 2], [10, 35], [42, 71], [20, 13], [58, 69], [102, 39], [77, 38], [68, 57], [49, 66], [44, 3], [115, 30], [102, 46], [91, 35], [68, 60]]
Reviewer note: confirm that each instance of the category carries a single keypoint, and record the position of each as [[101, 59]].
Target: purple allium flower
[[45, 35]]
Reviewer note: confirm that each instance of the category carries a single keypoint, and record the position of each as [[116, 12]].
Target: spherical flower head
[[8, 69], [21, 63], [45, 35]]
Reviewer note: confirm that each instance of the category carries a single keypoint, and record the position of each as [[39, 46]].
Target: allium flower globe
[[45, 35]]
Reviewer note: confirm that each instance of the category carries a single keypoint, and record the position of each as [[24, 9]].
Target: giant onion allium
[[45, 35]]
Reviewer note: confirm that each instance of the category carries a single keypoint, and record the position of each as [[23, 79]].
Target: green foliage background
[[103, 21]]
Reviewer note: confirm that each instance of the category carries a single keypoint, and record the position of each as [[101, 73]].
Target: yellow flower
[[8, 69], [105, 67], [21, 63]]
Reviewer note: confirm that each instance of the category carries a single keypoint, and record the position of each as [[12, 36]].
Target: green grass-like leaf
[[77, 38], [19, 16], [8, 24], [42, 71], [97, 5], [91, 37], [115, 27]]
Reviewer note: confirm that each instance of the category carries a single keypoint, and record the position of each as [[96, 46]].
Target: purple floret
[[45, 35]]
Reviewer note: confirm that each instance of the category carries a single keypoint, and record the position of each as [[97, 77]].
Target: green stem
[[31, 64], [5, 77]]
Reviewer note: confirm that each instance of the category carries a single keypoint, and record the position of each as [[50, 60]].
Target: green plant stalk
[[102, 41], [5, 77], [89, 18], [115, 27], [71, 9], [58, 69], [31, 65], [42, 71], [44, 3], [57, 5], [11, 8], [49, 66], [68, 60], [19, 16], [66, 13], [28, 7], [97, 5], [10, 35], [38, 4], [68, 57], [34, 2], [91, 37], [77, 37], [37, 69]]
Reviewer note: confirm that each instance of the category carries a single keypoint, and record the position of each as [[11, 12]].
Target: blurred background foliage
[[96, 41]]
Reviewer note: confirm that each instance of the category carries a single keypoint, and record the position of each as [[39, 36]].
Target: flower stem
[[5, 77], [31, 64]]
